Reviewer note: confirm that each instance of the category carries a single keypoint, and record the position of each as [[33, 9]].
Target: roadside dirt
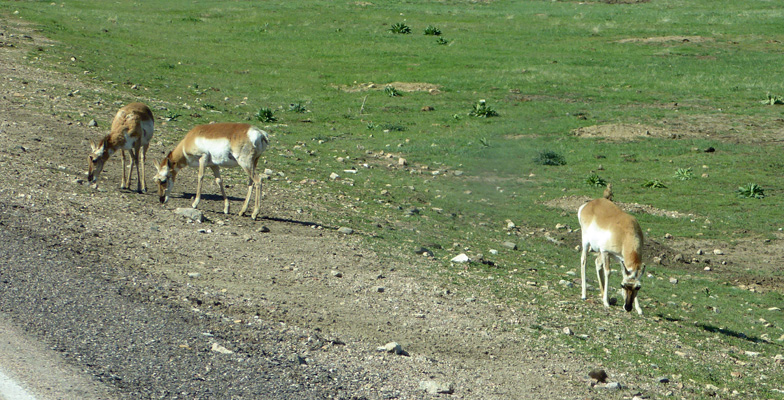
[[298, 274]]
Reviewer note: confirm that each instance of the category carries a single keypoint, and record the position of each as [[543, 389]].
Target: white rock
[[493, 252], [402, 162], [392, 347], [461, 258], [718, 252], [345, 230], [190, 213], [673, 280], [436, 387], [333, 176], [220, 349], [567, 331]]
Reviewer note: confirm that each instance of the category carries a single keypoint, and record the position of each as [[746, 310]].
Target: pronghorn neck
[[176, 159]]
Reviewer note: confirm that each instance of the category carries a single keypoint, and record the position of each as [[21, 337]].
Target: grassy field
[[700, 70]]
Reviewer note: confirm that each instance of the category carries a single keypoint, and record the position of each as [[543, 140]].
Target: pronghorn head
[[165, 178], [96, 160], [631, 285]]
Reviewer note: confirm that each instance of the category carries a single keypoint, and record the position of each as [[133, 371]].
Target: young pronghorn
[[610, 231], [131, 130], [215, 146]]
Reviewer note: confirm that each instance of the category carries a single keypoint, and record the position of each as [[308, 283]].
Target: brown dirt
[[401, 86]]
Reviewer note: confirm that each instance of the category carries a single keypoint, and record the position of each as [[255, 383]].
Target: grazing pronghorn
[[131, 130], [610, 231], [215, 146]]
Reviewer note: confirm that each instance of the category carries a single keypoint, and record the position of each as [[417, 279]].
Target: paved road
[[122, 338]]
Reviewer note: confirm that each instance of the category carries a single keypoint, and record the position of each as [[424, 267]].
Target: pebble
[[190, 213], [663, 379], [379, 289], [402, 162], [718, 252], [565, 283], [567, 331], [220, 349], [297, 359], [392, 347], [510, 245], [674, 280], [263, 229], [436, 387], [461, 258], [611, 386], [194, 275], [333, 176], [337, 274], [667, 236], [779, 358], [424, 251], [700, 252], [345, 230], [92, 123], [493, 252]]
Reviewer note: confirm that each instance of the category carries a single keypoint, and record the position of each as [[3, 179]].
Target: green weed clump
[[298, 108], [773, 100], [751, 191], [684, 174], [654, 184], [432, 31], [595, 180], [400, 28], [392, 92], [548, 157], [266, 115], [482, 110], [442, 41]]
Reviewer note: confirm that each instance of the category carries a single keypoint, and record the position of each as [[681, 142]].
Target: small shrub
[[483, 141], [684, 174], [482, 110], [208, 106], [393, 127], [773, 100], [371, 126], [595, 180], [392, 92], [654, 184], [432, 31], [442, 41], [400, 28], [298, 108], [548, 157], [171, 116], [266, 115], [751, 191]]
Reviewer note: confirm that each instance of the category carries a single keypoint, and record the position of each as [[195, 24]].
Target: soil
[[329, 298], [332, 298]]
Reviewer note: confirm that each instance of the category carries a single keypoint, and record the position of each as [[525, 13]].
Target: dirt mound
[[631, 132], [400, 86], [572, 203], [667, 39]]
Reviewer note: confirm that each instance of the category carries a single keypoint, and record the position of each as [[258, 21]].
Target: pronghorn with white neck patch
[[610, 231], [215, 146], [132, 130]]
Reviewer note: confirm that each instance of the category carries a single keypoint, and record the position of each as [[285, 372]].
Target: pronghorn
[[131, 130], [215, 146], [610, 231]]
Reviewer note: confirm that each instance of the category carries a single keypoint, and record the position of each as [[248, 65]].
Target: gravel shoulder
[[151, 304]]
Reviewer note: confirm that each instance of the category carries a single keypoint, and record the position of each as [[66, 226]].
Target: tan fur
[[132, 130], [607, 229], [202, 147], [608, 193]]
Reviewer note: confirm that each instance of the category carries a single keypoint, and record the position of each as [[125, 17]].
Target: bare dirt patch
[[668, 39], [621, 132], [401, 86], [572, 203]]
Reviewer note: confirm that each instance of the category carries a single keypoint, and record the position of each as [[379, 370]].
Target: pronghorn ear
[[93, 146], [642, 271], [158, 165]]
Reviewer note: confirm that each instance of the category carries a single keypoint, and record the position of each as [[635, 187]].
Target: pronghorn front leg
[[244, 208], [219, 182], [583, 257], [142, 160], [123, 181], [135, 162], [603, 274], [257, 184], [202, 164]]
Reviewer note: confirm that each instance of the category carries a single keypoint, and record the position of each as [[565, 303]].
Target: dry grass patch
[[400, 86]]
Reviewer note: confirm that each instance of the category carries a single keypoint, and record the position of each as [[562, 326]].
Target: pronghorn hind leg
[[249, 170], [219, 182], [583, 257], [202, 164], [135, 155], [257, 184]]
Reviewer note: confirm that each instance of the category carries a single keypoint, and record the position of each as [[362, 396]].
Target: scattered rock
[[297, 359], [567, 331], [708, 269], [263, 229], [394, 348], [220, 349], [611, 386], [379, 289], [190, 213], [718, 252], [402, 162], [561, 226], [461, 258], [337, 274], [663, 379], [92, 123], [657, 260], [779, 358], [333, 176], [424, 251], [678, 258], [345, 230], [194, 275], [667, 236], [565, 283], [752, 353], [510, 245], [428, 108], [436, 387], [674, 280], [700, 252]]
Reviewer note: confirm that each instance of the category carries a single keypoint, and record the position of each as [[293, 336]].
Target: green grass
[[546, 68]]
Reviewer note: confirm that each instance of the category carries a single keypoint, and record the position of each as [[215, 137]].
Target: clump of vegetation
[[432, 31], [171, 115], [392, 92], [298, 107], [393, 127], [684, 174], [549, 157], [400, 28], [442, 41], [773, 100], [266, 115], [482, 110], [595, 180], [751, 191], [654, 184], [371, 126]]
